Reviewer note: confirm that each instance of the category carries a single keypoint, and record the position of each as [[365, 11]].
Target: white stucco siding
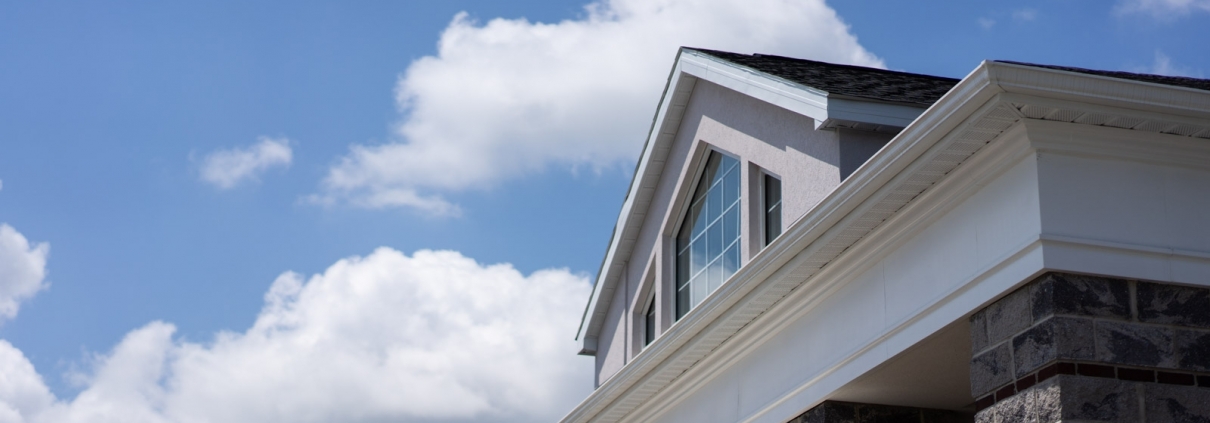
[[942, 267], [611, 356], [1135, 215]]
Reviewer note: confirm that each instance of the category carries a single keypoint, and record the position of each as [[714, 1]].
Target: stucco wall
[[765, 138]]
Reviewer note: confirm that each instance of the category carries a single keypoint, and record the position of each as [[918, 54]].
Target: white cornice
[[980, 108]]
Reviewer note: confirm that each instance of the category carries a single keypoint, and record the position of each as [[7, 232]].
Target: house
[[813, 242]]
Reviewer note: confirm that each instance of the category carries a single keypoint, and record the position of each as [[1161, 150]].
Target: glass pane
[[715, 201], [682, 269], [649, 332], [730, 225], [716, 275], [772, 208], [713, 169], [715, 235], [695, 219], [698, 260], [699, 288], [731, 187], [731, 261], [727, 163], [682, 301]]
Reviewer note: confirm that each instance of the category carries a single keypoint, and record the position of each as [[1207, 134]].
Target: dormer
[[741, 146]]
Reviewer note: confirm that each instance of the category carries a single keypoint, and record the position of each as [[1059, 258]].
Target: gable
[[798, 126]]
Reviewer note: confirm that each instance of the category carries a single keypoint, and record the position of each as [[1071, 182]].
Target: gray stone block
[[1059, 337], [1176, 404], [1038, 404], [887, 414], [1008, 316], [979, 340], [945, 416], [1078, 295], [1098, 399], [1134, 344], [830, 412], [991, 370], [1173, 304], [1192, 350]]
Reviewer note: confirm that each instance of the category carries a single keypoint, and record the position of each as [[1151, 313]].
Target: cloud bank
[[226, 169], [386, 337], [1162, 9], [22, 271], [510, 97]]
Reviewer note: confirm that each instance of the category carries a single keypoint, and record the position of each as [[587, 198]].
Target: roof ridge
[[842, 79], [799, 59]]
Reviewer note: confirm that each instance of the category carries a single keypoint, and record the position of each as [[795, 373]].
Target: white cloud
[[1025, 15], [1162, 9], [228, 168], [386, 337], [22, 270], [511, 97], [1163, 66], [987, 23]]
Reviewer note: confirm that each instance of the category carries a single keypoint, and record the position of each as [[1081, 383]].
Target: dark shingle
[[855, 81], [1176, 81]]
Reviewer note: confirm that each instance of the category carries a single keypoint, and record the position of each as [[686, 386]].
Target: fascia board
[[792, 96], [672, 102], [896, 115], [1101, 90]]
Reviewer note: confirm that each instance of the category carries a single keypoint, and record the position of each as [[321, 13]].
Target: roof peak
[[846, 80]]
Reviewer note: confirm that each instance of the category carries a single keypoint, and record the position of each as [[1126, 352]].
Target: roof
[[1175, 81], [847, 80]]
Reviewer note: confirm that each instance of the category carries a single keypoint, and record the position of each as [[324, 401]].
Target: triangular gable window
[[707, 245]]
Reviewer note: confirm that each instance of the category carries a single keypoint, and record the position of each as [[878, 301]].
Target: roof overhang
[[827, 110], [926, 155]]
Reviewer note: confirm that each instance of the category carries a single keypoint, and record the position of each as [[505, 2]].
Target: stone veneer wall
[[847, 412], [1081, 348]]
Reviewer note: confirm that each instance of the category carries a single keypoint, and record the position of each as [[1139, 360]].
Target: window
[[707, 245], [649, 323], [772, 208]]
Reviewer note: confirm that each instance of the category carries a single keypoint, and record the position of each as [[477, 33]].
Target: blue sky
[[176, 160]]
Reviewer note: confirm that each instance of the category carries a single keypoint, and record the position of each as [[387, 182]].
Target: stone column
[[848, 412], [1073, 348]]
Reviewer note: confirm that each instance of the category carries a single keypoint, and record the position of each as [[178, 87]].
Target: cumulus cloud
[[1163, 66], [386, 337], [509, 97], [22, 270], [1162, 9], [226, 169], [1025, 15], [986, 23]]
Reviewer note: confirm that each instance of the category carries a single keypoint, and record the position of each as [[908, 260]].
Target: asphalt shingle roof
[[1176, 81], [848, 80]]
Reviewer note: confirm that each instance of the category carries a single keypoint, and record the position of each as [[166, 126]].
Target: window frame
[[763, 205], [687, 194]]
